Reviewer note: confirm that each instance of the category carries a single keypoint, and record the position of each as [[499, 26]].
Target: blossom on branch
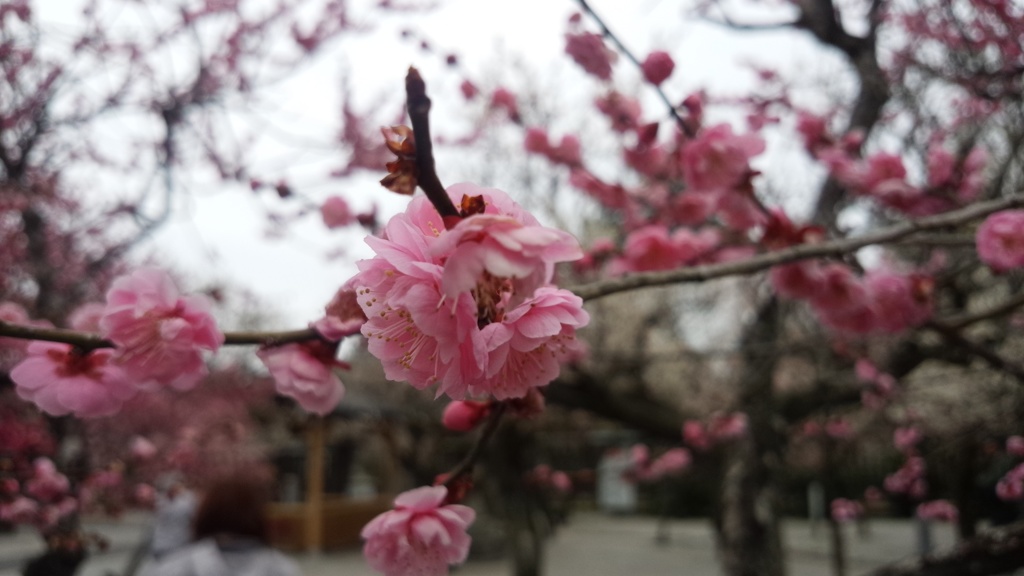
[[469, 308], [1000, 240], [62, 380], [421, 536], [160, 335], [305, 371]]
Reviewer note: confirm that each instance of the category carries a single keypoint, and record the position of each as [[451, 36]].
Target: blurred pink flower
[[1015, 446], [718, 159], [160, 335], [560, 481], [906, 438], [86, 318], [1000, 240], [305, 371], [336, 213], [61, 380], [844, 510], [695, 435], [141, 448], [21, 510], [724, 427], [47, 484], [589, 51], [941, 510], [342, 316], [657, 67], [464, 415], [421, 536]]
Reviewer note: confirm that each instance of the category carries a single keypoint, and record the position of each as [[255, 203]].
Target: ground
[[591, 543]]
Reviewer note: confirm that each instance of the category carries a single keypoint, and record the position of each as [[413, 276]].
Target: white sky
[[218, 232]]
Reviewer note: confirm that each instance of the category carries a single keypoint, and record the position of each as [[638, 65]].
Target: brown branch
[[86, 342], [418, 106], [963, 320], [839, 247], [466, 465], [992, 358], [607, 33]]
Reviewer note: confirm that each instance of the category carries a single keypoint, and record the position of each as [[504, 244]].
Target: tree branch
[[606, 287], [418, 105]]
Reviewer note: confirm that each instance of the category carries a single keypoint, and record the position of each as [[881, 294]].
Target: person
[[175, 507], [230, 536]]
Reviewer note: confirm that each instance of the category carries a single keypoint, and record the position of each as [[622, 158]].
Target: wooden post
[[314, 509]]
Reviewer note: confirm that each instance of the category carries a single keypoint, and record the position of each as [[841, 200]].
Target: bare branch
[[418, 105]]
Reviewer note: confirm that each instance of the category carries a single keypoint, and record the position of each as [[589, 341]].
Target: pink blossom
[[144, 494], [61, 380], [695, 435], [305, 371], [468, 89], [838, 428], [657, 67], [21, 510], [672, 462], [1000, 240], [718, 159], [469, 308], [560, 481], [46, 484], [648, 248], [1015, 446], [527, 348], [898, 302], [1009, 488], [336, 213], [464, 415], [796, 279], [844, 510], [86, 318], [342, 316], [159, 334], [422, 535], [906, 438], [866, 369], [142, 449], [640, 455], [504, 99], [623, 111], [727, 426], [589, 51], [941, 510]]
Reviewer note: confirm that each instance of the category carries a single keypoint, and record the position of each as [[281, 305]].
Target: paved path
[[591, 544]]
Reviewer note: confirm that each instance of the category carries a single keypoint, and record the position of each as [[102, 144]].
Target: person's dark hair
[[233, 506]]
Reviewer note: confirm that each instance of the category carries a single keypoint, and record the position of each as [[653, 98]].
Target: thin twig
[[607, 33], [466, 465], [608, 286], [418, 106]]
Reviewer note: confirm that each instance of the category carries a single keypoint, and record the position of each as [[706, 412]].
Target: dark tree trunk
[[748, 536]]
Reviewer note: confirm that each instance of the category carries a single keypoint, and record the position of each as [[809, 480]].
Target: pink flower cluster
[[1000, 240], [653, 248], [720, 428], [906, 439], [589, 51], [45, 501], [672, 462], [470, 308], [940, 510], [880, 387], [844, 510], [881, 301], [909, 479], [567, 152], [160, 335], [305, 371], [422, 535], [1011, 486]]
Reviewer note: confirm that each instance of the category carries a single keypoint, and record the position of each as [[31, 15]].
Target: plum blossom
[[160, 335], [1000, 240], [718, 159], [905, 439], [305, 371], [464, 415], [657, 67], [336, 212], [844, 510], [589, 51], [342, 316], [1015, 446], [21, 510], [421, 536], [941, 510], [62, 380], [469, 308], [47, 484], [86, 318], [141, 448]]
